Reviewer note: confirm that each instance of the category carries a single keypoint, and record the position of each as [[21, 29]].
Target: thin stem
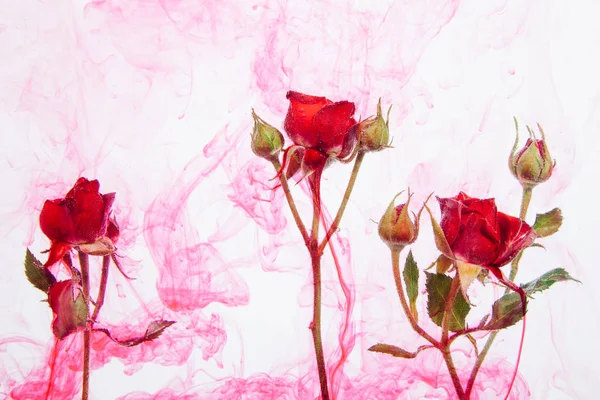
[[336, 222], [445, 331], [525, 200], [453, 374], [400, 289], [315, 257], [102, 289], [448, 309], [527, 192], [85, 284], [316, 327], [291, 203]]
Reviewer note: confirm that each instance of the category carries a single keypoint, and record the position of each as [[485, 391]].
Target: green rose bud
[[396, 228], [373, 133], [266, 140], [532, 164]]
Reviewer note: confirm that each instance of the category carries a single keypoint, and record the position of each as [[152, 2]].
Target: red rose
[[477, 233], [80, 219], [320, 124]]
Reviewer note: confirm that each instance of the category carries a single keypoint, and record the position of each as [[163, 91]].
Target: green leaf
[[392, 350], [438, 288], [548, 223], [40, 277], [411, 278], [547, 280], [508, 310]]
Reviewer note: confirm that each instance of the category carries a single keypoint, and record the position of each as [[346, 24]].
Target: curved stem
[[102, 289], [525, 200], [291, 203], [336, 222], [315, 257], [405, 307], [85, 284]]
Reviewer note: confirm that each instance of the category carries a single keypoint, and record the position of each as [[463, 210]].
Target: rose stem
[[445, 345], [85, 283], [102, 290], [400, 289], [513, 272], [340, 212], [514, 266], [291, 203], [315, 257]]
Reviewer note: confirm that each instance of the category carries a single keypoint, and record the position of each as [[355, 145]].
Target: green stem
[[85, 284], [405, 307], [453, 374], [445, 332], [527, 192], [291, 203], [514, 266], [448, 308], [102, 289], [336, 222], [315, 257], [525, 200]]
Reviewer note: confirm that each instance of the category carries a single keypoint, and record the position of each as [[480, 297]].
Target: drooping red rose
[[81, 218], [478, 233]]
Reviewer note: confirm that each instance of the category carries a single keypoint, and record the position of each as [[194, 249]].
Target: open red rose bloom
[[479, 234], [80, 219], [320, 129]]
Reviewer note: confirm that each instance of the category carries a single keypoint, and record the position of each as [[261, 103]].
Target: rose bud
[[532, 164], [266, 140], [373, 133], [80, 219], [396, 228], [68, 308]]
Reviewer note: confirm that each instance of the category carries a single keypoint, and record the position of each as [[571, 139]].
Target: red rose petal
[[87, 212], [450, 223], [299, 119], [83, 184], [57, 252], [313, 161], [515, 235], [112, 230], [333, 123], [485, 208], [477, 242], [55, 220]]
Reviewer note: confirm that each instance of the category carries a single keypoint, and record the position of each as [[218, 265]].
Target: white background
[[154, 99]]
